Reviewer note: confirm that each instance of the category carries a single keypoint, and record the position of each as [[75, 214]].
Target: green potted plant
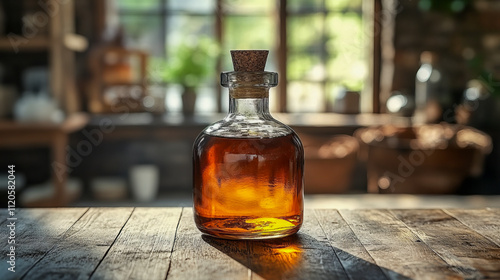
[[188, 65]]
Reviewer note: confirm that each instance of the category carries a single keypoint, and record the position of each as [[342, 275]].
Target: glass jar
[[248, 167]]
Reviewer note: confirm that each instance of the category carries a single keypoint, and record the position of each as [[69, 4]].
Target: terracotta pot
[[329, 163], [427, 159], [188, 101]]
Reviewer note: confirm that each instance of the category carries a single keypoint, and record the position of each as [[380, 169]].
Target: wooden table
[[163, 243]]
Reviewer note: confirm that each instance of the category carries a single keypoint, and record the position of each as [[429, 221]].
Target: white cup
[[144, 182]]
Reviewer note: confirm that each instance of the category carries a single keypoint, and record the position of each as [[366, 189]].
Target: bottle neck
[[249, 107], [249, 92]]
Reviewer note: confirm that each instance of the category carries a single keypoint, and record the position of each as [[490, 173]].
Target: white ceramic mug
[[144, 181]]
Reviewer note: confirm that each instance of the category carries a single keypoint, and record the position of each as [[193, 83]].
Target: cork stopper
[[249, 60], [249, 80]]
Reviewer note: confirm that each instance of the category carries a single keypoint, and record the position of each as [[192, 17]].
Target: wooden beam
[[282, 55], [56, 56], [219, 35], [377, 33]]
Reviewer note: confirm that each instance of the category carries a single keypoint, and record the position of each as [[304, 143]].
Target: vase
[[188, 101]]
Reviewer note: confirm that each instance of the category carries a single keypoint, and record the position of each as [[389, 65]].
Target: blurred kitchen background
[[100, 100]]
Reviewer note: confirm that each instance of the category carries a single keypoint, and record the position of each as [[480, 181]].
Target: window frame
[[281, 47]]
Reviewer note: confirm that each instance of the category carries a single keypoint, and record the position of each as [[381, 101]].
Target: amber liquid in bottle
[[248, 167], [248, 188]]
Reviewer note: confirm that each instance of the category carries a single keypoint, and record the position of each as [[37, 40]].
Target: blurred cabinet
[[42, 33], [46, 26]]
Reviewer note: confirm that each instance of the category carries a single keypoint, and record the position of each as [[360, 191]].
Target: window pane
[[305, 33], [173, 101], [205, 100], [332, 92], [248, 32], [326, 42], [337, 5], [305, 66], [248, 7], [135, 5], [195, 6], [143, 32], [305, 97], [296, 6], [346, 63], [181, 28]]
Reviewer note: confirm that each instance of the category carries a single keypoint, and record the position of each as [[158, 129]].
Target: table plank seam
[[419, 237], [367, 251], [53, 246], [249, 271], [113, 243], [329, 242], [478, 232], [422, 240], [175, 241]]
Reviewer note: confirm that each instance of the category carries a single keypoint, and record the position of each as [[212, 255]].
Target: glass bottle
[[432, 90], [248, 167]]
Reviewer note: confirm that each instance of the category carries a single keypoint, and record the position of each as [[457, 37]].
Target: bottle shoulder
[[240, 126]]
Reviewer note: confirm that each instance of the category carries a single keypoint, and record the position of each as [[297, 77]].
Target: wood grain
[[485, 221], [83, 246], [357, 262], [306, 255], [37, 231], [164, 243], [143, 248], [193, 258], [396, 248], [465, 250], [4, 214]]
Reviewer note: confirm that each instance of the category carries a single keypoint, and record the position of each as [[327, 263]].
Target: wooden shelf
[[72, 123], [72, 42], [24, 44]]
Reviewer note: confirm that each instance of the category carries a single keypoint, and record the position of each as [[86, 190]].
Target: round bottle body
[[248, 187]]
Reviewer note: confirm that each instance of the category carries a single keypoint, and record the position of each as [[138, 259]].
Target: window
[[324, 44]]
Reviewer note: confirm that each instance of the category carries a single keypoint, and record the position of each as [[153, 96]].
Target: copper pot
[[426, 159]]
